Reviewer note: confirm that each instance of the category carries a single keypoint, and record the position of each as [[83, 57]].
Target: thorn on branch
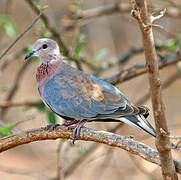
[[160, 15], [163, 132]]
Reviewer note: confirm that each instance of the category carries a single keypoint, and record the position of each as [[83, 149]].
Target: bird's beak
[[30, 54]]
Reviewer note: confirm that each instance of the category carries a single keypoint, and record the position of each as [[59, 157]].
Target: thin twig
[[15, 85], [21, 35], [139, 69], [10, 57], [123, 58], [166, 84], [63, 49], [73, 16], [71, 19], [175, 137], [8, 104]]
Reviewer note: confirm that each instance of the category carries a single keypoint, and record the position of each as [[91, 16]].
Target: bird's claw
[[51, 127], [76, 130]]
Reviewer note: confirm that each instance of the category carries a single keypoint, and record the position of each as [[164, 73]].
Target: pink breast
[[44, 73]]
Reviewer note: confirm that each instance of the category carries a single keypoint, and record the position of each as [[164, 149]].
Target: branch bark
[[87, 134], [162, 142]]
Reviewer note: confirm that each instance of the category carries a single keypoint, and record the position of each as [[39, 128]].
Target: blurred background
[[99, 37]]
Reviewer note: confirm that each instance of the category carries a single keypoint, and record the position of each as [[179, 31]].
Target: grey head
[[43, 48]]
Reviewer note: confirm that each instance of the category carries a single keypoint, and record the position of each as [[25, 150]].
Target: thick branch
[[87, 134], [163, 141]]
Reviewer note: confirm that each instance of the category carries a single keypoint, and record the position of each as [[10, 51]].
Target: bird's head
[[44, 48]]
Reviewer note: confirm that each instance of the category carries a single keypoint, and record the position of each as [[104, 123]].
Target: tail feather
[[140, 123]]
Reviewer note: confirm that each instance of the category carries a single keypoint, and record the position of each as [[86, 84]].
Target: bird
[[79, 97]]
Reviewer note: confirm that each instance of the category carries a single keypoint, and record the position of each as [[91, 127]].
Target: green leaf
[[10, 29], [172, 45], [36, 59], [29, 48], [100, 55], [79, 45], [52, 119], [45, 7], [41, 106], [39, 7], [8, 25], [5, 130]]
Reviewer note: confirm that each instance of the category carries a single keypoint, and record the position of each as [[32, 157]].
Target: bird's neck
[[47, 68]]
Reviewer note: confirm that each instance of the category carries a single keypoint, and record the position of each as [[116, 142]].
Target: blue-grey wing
[[84, 96]]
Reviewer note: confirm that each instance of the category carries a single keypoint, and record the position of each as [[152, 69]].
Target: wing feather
[[82, 96]]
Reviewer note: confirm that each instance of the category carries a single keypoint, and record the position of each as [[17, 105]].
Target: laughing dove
[[79, 97]]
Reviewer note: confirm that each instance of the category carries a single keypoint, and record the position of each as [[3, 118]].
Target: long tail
[[137, 121], [140, 123]]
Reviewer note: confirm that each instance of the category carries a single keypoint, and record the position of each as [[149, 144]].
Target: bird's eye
[[44, 46]]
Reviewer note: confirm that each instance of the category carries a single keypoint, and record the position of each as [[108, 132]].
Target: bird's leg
[[76, 130]]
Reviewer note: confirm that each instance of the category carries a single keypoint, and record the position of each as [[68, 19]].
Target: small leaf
[[39, 7], [101, 54], [10, 29], [79, 46], [51, 117], [172, 45], [36, 59], [8, 25], [5, 130], [45, 7], [40, 106], [29, 48]]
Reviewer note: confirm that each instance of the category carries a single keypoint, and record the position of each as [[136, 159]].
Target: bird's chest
[[42, 72], [43, 75]]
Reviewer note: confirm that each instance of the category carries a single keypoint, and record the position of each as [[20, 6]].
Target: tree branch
[[15, 85], [21, 35], [64, 50], [140, 13], [139, 69], [87, 134], [73, 15]]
